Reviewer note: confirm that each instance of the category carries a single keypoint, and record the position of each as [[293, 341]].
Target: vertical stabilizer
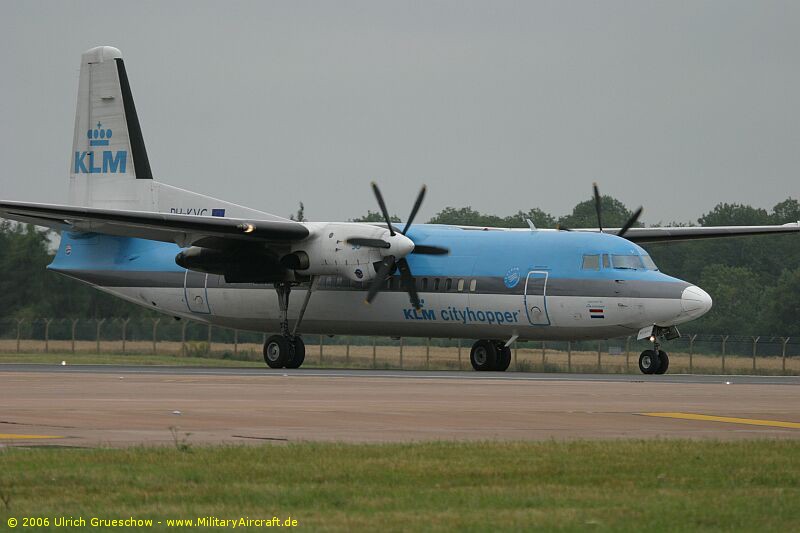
[[109, 167], [108, 150]]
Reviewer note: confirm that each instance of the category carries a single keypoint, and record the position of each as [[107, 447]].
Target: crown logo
[[98, 136]]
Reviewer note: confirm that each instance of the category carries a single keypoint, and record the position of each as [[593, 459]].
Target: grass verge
[[566, 486], [132, 359]]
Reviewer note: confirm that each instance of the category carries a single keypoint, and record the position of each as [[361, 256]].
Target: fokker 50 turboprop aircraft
[[193, 256]]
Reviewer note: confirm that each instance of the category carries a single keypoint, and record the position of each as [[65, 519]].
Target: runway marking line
[[727, 419], [11, 436]]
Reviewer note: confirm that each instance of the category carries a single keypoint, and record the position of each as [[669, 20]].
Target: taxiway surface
[[98, 405]]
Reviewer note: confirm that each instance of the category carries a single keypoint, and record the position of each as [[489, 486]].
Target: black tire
[[483, 356], [649, 362], [663, 362], [503, 357], [298, 354], [276, 351]]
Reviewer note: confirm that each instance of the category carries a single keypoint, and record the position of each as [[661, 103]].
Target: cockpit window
[[591, 262], [649, 264], [627, 262]]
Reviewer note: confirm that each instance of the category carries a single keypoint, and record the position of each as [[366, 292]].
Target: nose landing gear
[[654, 361]]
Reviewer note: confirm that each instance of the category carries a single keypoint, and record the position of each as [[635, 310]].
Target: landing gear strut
[[489, 355], [287, 350], [654, 361]]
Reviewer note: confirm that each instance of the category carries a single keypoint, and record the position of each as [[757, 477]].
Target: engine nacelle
[[327, 252]]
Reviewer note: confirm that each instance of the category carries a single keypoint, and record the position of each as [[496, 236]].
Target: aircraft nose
[[695, 302]]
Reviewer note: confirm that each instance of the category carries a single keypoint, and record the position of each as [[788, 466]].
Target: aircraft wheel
[[503, 357], [663, 362], [483, 355], [298, 354], [276, 351], [649, 362]]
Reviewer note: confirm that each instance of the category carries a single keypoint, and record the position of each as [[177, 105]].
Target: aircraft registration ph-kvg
[[193, 256]]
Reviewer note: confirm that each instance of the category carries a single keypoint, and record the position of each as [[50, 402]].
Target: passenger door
[[536, 298], [195, 292]]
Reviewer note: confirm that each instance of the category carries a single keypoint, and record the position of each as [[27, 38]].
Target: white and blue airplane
[[196, 257]]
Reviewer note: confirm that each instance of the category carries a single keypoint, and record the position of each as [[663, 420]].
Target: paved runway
[[94, 405]]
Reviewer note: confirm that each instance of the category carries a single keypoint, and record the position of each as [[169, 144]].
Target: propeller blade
[[430, 250], [597, 206], [414, 209], [408, 280], [386, 267], [369, 243], [629, 224], [382, 205]]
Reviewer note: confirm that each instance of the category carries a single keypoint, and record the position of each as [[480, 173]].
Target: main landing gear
[[287, 350], [654, 361], [490, 355]]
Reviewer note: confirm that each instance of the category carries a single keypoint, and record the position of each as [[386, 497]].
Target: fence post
[[183, 338], [401, 353], [598, 356], [155, 333], [236, 342], [755, 344], [628, 354], [321, 341], [785, 341], [724, 340], [544, 355], [97, 334], [459, 355], [125, 333], [74, 325], [347, 352], [691, 351], [209, 339], [19, 330], [516, 364], [428, 354], [569, 356], [47, 334], [374, 352]]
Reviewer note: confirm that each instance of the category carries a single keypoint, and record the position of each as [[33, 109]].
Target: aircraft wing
[[683, 233], [184, 230]]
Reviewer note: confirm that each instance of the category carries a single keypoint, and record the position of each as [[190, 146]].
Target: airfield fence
[[694, 353]]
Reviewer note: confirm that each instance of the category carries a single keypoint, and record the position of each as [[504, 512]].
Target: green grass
[[129, 359], [571, 486]]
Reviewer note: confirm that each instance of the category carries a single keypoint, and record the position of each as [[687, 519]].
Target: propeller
[[598, 207], [390, 263]]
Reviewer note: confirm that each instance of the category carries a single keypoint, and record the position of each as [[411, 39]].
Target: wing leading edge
[[184, 230], [672, 234]]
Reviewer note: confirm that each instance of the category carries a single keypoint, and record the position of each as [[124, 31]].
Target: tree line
[[754, 281]]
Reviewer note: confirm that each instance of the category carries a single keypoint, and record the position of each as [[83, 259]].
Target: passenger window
[[606, 262], [424, 284], [460, 285], [448, 284], [473, 285], [591, 262], [436, 283]]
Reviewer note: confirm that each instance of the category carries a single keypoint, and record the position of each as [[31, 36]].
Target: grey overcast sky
[[499, 105]]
